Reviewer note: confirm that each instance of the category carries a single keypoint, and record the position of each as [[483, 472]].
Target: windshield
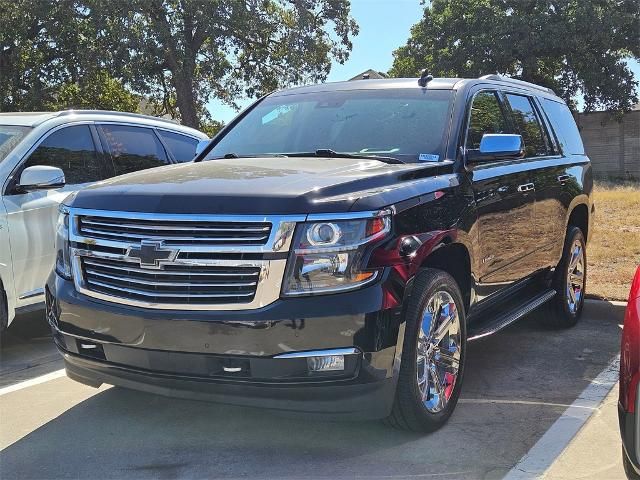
[[407, 124], [10, 136]]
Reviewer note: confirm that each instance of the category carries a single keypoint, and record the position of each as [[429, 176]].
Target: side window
[[132, 148], [528, 125], [71, 149], [182, 148], [486, 117], [565, 126]]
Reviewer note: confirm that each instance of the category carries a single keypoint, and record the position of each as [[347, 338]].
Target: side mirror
[[41, 177], [202, 144], [497, 146]]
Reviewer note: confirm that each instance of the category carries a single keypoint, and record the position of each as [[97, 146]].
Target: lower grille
[[175, 283]]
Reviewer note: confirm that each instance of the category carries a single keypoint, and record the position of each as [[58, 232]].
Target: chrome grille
[[184, 262], [193, 231], [177, 284]]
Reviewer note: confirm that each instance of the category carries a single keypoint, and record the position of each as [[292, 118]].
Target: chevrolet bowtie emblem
[[151, 254]]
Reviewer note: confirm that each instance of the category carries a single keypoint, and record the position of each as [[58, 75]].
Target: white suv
[[46, 156]]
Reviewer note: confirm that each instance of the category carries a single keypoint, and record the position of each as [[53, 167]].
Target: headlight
[[327, 256], [63, 260]]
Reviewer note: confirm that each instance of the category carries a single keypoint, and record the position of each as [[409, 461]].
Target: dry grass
[[614, 251]]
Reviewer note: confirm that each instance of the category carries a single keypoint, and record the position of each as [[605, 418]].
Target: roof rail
[[522, 83], [113, 112]]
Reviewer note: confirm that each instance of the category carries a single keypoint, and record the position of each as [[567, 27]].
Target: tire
[[565, 309], [417, 406], [628, 468]]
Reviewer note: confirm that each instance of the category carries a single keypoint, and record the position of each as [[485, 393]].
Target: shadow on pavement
[[27, 349], [517, 384]]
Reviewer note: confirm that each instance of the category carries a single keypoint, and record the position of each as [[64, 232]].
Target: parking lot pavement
[[518, 387]]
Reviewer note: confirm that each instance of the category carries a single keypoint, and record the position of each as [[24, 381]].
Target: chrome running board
[[483, 329]]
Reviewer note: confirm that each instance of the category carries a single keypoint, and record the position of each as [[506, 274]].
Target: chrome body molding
[[320, 353], [319, 217], [265, 274]]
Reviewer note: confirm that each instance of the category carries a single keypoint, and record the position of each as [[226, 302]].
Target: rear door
[[31, 216], [504, 200], [547, 174]]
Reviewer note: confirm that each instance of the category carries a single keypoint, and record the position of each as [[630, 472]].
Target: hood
[[260, 186]]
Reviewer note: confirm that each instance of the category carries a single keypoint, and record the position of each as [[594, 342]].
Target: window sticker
[[428, 157]]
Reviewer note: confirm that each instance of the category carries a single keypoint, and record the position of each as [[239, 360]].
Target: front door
[[31, 216], [505, 200]]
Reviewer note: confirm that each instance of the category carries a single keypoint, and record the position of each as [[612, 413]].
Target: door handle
[[527, 187], [564, 178]]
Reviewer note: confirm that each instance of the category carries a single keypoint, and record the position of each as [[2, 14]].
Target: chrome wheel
[[575, 277], [438, 351]]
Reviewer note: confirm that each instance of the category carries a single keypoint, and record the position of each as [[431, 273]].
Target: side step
[[493, 325]]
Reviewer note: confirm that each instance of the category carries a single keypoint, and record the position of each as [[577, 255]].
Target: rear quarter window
[[182, 147], [565, 127]]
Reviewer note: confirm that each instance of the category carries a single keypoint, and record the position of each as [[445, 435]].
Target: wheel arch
[[578, 216], [454, 259]]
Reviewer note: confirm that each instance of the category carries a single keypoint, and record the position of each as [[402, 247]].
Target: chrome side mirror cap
[[497, 146], [41, 177]]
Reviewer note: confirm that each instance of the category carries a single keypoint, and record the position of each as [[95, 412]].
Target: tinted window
[[133, 148], [182, 148], [527, 124], [565, 127], [486, 117], [402, 123], [72, 150]]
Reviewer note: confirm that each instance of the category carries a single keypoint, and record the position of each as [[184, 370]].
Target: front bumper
[[229, 356]]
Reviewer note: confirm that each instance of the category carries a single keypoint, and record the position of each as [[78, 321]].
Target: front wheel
[[433, 356]]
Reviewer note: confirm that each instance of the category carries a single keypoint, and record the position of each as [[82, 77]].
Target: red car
[[629, 404]]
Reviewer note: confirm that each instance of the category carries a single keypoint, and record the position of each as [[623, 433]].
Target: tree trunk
[[186, 100]]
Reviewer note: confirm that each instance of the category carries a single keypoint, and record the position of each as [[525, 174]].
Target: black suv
[[333, 249]]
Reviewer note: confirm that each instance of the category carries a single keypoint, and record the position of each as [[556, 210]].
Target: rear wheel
[[433, 355], [570, 281]]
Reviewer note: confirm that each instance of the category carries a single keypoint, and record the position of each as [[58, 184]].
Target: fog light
[[327, 363]]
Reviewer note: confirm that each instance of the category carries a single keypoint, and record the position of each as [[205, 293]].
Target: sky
[[384, 26]]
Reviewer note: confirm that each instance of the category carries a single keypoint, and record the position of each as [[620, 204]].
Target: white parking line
[[542, 455], [34, 381]]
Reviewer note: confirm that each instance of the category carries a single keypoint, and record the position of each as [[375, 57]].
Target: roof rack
[[113, 112], [522, 83]]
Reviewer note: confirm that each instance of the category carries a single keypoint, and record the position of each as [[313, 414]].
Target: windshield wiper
[[327, 152], [235, 155]]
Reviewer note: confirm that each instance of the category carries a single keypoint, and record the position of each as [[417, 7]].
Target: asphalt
[[518, 383]]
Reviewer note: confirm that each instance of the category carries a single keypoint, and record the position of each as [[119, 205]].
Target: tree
[[47, 60], [181, 53], [576, 47]]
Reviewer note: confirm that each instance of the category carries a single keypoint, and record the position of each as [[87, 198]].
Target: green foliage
[[211, 127], [178, 54], [47, 61], [95, 91], [573, 46], [182, 53]]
